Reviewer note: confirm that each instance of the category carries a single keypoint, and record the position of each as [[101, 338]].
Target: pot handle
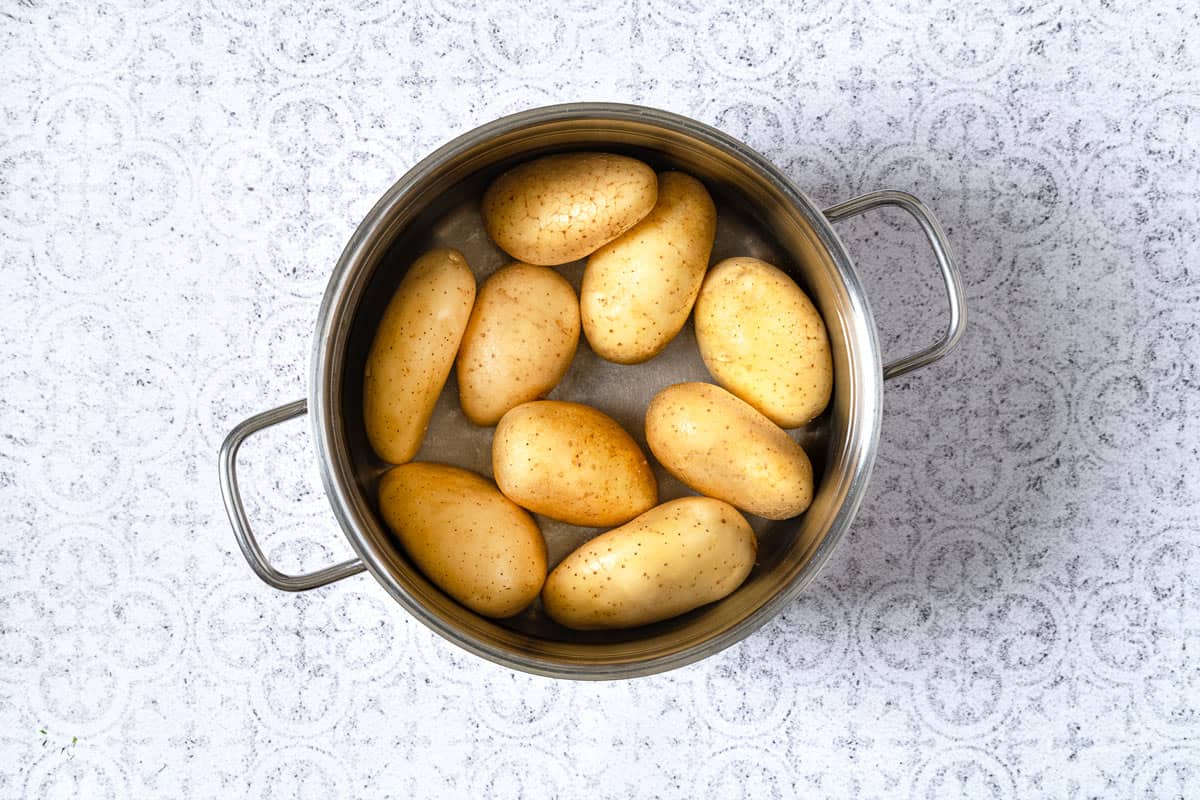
[[237, 512], [941, 251]]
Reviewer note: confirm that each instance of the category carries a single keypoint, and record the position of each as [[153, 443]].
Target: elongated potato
[[519, 341], [413, 352], [764, 340], [722, 447], [639, 289], [675, 557], [470, 540], [572, 463], [563, 207]]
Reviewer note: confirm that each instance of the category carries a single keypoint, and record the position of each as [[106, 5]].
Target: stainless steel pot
[[761, 213]]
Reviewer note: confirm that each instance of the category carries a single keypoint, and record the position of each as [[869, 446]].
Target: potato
[[675, 557], [413, 351], [722, 447], [474, 543], [639, 289], [764, 340], [572, 463], [563, 207], [519, 341]]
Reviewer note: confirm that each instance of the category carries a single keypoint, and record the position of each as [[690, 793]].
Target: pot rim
[[373, 235]]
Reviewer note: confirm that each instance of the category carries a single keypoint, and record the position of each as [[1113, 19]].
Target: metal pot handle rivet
[[237, 512], [941, 251]]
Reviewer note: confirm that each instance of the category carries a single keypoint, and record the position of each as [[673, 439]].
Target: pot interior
[[437, 205]]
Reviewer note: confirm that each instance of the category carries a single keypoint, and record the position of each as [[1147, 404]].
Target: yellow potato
[[563, 207], [413, 352], [519, 341], [722, 447], [675, 557], [572, 463], [639, 289], [473, 542], [764, 340]]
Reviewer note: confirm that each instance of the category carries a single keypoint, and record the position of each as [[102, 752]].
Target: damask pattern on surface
[[1015, 613]]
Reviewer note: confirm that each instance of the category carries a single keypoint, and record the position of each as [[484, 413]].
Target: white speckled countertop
[[1016, 612]]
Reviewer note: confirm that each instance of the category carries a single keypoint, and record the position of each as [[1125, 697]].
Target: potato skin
[[560, 208], [413, 352], [572, 463], [519, 341], [724, 448], [468, 538], [638, 290], [678, 556], [764, 340]]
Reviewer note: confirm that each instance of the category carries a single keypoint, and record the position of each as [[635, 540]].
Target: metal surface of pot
[[761, 214]]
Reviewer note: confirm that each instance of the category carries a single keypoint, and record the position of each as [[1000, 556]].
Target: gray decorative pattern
[[1017, 610]]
